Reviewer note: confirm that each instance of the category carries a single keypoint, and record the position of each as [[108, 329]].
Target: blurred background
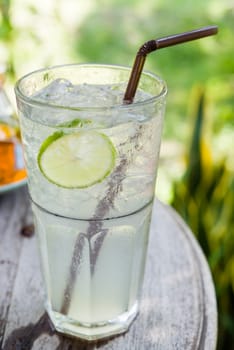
[[196, 167]]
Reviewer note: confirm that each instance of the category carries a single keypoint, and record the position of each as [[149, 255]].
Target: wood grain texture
[[12, 213], [178, 308]]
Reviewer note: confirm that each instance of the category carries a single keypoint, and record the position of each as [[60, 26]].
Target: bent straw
[[153, 45], [101, 209]]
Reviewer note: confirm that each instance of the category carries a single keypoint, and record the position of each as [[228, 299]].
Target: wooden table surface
[[178, 308]]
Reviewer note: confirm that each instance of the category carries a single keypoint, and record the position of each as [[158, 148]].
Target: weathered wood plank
[[209, 333], [13, 207], [178, 309]]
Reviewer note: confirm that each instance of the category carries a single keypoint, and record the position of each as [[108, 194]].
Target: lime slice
[[76, 160]]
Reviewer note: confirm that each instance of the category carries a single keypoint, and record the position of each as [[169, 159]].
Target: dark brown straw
[[157, 44], [103, 205]]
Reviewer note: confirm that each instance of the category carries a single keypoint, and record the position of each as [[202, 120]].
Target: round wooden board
[[178, 307]]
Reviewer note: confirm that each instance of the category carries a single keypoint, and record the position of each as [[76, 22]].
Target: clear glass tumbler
[[91, 173]]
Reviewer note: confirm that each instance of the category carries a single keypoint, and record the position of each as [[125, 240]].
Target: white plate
[[12, 186]]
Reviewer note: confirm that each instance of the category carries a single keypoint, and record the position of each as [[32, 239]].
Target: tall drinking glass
[[92, 164]]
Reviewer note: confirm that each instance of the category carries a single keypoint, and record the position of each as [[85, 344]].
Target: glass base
[[95, 331]]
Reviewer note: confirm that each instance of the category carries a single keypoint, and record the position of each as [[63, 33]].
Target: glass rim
[[34, 102]]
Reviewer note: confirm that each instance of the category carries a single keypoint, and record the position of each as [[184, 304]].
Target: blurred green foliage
[[35, 34], [205, 199], [5, 28], [6, 31], [113, 33]]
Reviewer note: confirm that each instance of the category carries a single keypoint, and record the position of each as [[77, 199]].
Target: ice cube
[[62, 92], [55, 92]]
